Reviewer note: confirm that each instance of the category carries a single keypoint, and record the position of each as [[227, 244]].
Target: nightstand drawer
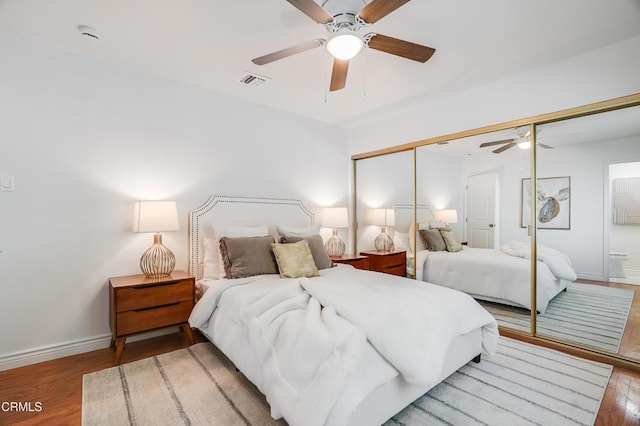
[[140, 297], [358, 262], [147, 319], [393, 262], [399, 270]]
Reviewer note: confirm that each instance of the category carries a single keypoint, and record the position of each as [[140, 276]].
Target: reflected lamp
[[447, 216], [383, 218]]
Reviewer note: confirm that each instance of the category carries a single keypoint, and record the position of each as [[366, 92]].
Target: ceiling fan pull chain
[[364, 74]]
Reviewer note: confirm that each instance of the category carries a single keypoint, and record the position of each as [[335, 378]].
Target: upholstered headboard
[[242, 211], [404, 215]]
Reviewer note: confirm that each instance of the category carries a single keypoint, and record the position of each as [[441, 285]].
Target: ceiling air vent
[[254, 80]]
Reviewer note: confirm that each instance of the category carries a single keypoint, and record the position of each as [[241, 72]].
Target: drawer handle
[[142, 287], [156, 307]]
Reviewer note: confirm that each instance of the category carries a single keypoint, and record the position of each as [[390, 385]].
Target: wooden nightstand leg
[[112, 345], [119, 348], [188, 332]]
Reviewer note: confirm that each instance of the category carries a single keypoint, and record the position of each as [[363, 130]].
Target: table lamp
[[156, 216], [335, 217]]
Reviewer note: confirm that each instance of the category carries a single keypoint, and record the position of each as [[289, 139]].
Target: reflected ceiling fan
[[344, 21], [522, 139]]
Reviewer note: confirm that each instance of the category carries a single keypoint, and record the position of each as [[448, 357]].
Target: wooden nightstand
[[389, 262], [358, 262], [138, 304]]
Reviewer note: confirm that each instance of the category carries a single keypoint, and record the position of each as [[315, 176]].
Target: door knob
[[491, 225]]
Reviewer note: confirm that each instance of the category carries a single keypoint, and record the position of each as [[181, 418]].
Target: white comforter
[[558, 262], [309, 334], [489, 274]]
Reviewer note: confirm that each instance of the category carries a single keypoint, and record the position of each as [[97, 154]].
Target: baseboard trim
[[593, 277], [47, 353]]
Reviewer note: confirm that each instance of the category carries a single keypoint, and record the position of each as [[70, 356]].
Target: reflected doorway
[[482, 200]]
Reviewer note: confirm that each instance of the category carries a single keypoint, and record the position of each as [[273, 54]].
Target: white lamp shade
[[381, 217], [155, 216], [335, 217], [390, 219], [447, 216]]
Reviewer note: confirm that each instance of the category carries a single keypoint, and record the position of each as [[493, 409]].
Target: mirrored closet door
[[470, 190], [588, 230], [481, 210], [384, 204]]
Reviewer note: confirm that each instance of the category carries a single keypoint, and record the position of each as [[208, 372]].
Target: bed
[[498, 275], [330, 349]]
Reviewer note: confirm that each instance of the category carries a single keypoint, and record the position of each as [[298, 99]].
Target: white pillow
[[436, 225], [210, 261], [288, 231], [213, 266], [401, 241], [412, 237]]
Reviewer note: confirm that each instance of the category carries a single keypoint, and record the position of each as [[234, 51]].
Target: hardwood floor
[[57, 385]]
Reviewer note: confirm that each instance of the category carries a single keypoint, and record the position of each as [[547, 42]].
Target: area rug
[[521, 384], [587, 314]]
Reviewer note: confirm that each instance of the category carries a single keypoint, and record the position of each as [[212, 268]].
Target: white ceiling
[[210, 43]]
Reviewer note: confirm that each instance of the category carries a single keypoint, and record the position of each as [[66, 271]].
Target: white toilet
[[615, 264]]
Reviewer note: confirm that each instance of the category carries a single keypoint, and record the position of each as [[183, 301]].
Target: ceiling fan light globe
[[524, 144], [344, 46]]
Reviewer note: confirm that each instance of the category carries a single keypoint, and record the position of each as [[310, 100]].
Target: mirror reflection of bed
[[579, 314]]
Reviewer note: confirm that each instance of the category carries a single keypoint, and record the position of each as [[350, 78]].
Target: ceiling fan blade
[[339, 75], [313, 10], [544, 146], [483, 145], [289, 51], [504, 148], [398, 47], [378, 9]]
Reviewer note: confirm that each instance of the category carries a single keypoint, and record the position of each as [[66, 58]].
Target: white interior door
[[482, 201]]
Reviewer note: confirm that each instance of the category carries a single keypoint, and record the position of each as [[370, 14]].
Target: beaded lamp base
[[383, 242], [334, 246], [157, 261]]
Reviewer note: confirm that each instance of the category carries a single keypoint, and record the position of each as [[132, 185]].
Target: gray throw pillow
[[433, 240], [320, 256], [247, 256]]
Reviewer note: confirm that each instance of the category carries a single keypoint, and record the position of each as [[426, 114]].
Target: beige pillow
[[295, 260], [451, 241], [320, 256]]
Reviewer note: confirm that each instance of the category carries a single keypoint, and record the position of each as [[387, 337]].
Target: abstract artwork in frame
[[553, 203]]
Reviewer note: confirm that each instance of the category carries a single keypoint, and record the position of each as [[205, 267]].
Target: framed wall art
[[553, 203]]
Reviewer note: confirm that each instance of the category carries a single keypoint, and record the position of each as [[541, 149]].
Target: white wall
[[86, 138], [381, 182], [440, 183], [626, 238]]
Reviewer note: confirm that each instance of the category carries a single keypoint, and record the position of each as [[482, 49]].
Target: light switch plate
[[7, 183]]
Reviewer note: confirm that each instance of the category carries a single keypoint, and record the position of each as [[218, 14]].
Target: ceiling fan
[[522, 139], [344, 20]]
